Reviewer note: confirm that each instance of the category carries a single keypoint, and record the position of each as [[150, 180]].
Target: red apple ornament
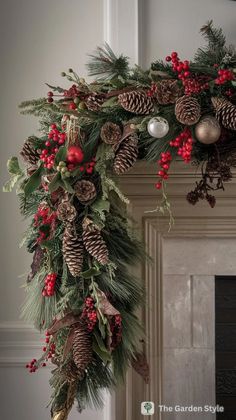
[[75, 154]]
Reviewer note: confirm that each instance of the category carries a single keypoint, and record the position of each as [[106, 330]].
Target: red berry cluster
[[50, 97], [49, 285], [194, 86], [181, 67], [224, 76], [75, 156], [33, 366], [184, 143], [153, 89], [56, 139], [164, 162], [116, 330], [89, 313], [45, 222], [72, 92]]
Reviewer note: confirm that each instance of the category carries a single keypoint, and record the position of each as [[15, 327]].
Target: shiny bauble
[[158, 127], [208, 130]]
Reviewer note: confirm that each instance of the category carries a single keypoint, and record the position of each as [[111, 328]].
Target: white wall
[[170, 25], [39, 39]]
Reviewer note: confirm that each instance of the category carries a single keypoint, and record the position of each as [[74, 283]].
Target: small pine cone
[[126, 155], [66, 212], [94, 242], [225, 112], [187, 110], [29, 153], [85, 191], [94, 101], [70, 371], [82, 348], [168, 91], [111, 133], [72, 249], [137, 102]]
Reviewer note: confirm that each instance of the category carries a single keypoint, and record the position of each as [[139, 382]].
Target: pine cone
[[82, 348], [111, 133], [29, 153], [85, 191], [168, 91], [225, 112], [94, 242], [187, 110], [94, 101], [70, 371], [66, 212], [72, 249], [137, 102], [126, 155]]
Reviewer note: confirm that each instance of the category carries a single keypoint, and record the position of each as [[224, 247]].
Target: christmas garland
[[81, 291]]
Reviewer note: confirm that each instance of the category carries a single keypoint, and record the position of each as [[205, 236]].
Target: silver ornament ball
[[158, 127], [208, 130]]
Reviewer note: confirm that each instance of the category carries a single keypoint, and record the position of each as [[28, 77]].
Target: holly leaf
[[61, 155], [91, 272], [33, 182]]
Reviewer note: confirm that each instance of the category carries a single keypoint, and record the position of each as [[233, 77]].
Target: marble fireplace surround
[[179, 316]]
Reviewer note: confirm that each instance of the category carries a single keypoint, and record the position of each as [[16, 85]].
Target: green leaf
[[101, 205], [105, 356], [34, 181], [233, 82], [14, 167], [67, 186], [61, 155], [100, 348], [9, 185], [91, 272], [110, 102], [55, 182]]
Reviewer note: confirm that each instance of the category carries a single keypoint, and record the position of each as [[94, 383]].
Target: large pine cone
[[111, 133], [94, 101], [137, 102], [225, 112], [187, 110], [82, 348], [126, 155], [168, 91], [72, 249], [29, 153], [85, 191], [93, 242]]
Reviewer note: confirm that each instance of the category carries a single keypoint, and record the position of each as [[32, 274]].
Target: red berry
[[72, 106], [168, 58]]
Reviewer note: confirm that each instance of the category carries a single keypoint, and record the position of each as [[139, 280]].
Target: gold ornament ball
[[208, 130]]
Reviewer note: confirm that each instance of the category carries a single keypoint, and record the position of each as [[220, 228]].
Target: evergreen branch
[[105, 64]]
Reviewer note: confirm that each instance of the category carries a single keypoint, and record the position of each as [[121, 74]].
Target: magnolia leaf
[[34, 181], [91, 272], [61, 155], [14, 167], [9, 185]]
